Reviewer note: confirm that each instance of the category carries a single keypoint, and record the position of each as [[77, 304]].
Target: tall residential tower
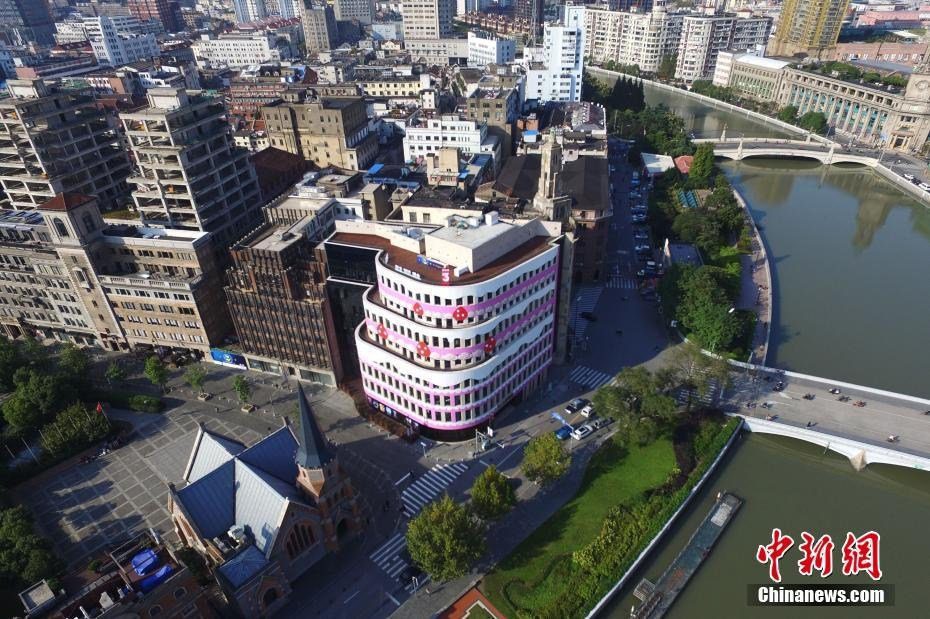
[[808, 27]]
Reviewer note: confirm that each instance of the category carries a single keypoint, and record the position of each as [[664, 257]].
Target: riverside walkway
[[658, 598]]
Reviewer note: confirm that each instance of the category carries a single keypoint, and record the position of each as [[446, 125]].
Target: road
[[880, 417]]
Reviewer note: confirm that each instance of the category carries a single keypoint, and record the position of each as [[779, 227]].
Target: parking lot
[[88, 507]]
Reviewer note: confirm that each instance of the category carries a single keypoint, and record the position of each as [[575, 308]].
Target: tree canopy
[[702, 168], [545, 459], [445, 539], [492, 494], [156, 371], [25, 557]]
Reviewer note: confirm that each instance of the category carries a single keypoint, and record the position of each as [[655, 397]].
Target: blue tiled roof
[[210, 501], [243, 566], [260, 499], [210, 452], [274, 454]]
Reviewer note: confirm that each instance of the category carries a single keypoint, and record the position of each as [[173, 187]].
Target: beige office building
[[327, 129]]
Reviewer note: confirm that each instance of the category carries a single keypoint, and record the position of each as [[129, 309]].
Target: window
[[60, 228]]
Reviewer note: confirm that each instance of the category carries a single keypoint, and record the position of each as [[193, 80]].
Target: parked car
[[563, 433], [582, 432], [587, 410], [576, 405], [641, 235], [643, 249], [924, 186], [639, 219], [589, 316], [600, 422], [909, 177]]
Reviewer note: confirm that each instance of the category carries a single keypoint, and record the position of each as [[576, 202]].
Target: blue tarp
[[155, 579], [144, 562]]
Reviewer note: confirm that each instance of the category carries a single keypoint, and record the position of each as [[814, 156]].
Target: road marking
[[392, 598], [349, 599], [403, 479]]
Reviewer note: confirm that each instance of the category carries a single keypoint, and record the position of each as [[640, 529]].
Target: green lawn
[[535, 569]]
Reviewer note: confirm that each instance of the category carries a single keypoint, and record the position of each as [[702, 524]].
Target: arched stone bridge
[[742, 148]]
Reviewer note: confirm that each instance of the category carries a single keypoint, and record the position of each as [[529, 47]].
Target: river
[[796, 487], [850, 303], [849, 249]]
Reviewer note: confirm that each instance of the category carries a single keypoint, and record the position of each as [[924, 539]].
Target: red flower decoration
[[489, 345], [460, 313], [418, 309], [423, 350], [382, 332]]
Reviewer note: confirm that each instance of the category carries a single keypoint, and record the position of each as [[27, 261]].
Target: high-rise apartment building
[[428, 19], [159, 10], [190, 175], [529, 14], [703, 37], [249, 10], [56, 141], [460, 320], [554, 71], [360, 10], [321, 32], [26, 21], [327, 129], [119, 41], [643, 39], [808, 27]]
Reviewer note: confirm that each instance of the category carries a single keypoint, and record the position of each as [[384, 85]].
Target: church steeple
[[313, 452]]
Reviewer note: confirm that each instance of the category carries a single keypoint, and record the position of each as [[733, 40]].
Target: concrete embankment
[[666, 528]]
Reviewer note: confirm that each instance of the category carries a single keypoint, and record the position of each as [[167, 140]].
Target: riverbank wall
[[760, 351], [716, 103], [667, 527], [885, 172]]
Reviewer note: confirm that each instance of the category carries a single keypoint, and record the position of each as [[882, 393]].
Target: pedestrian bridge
[[860, 454], [738, 149]]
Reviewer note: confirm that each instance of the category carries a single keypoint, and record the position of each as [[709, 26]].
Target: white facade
[[249, 10], [428, 19], [448, 357], [643, 39], [117, 41], [388, 31], [449, 131], [70, 32], [235, 50], [359, 10], [703, 37], [437, 51], [558, 76], [485, 49]]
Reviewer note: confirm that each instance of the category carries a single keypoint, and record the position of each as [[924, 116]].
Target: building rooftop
[[586, 179], [762, 63], [66, 202]]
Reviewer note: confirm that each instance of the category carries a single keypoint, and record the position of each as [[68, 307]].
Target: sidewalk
[[533, 508], [756, 293]]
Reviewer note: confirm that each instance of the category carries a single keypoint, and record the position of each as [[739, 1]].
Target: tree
[[706, 311], [10, 361], [544, 459], [34, 353], [115, 373], [445, 539], [36, 397], [813, 121], [788, 114], [73, 363], [195, 377], [73, 429], [702, 167], [25, 557], [156, 372], [666, 70], [242, 388], [492, 494]]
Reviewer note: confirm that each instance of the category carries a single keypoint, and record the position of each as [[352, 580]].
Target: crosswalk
[[624, 283], [429, 486], [586, 299], [392, 557], [713, 387], [590, 377]]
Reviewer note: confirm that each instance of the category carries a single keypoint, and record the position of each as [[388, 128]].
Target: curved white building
[[462, 320]]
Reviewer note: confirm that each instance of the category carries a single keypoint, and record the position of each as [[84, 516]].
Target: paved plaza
[[87, 507]]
